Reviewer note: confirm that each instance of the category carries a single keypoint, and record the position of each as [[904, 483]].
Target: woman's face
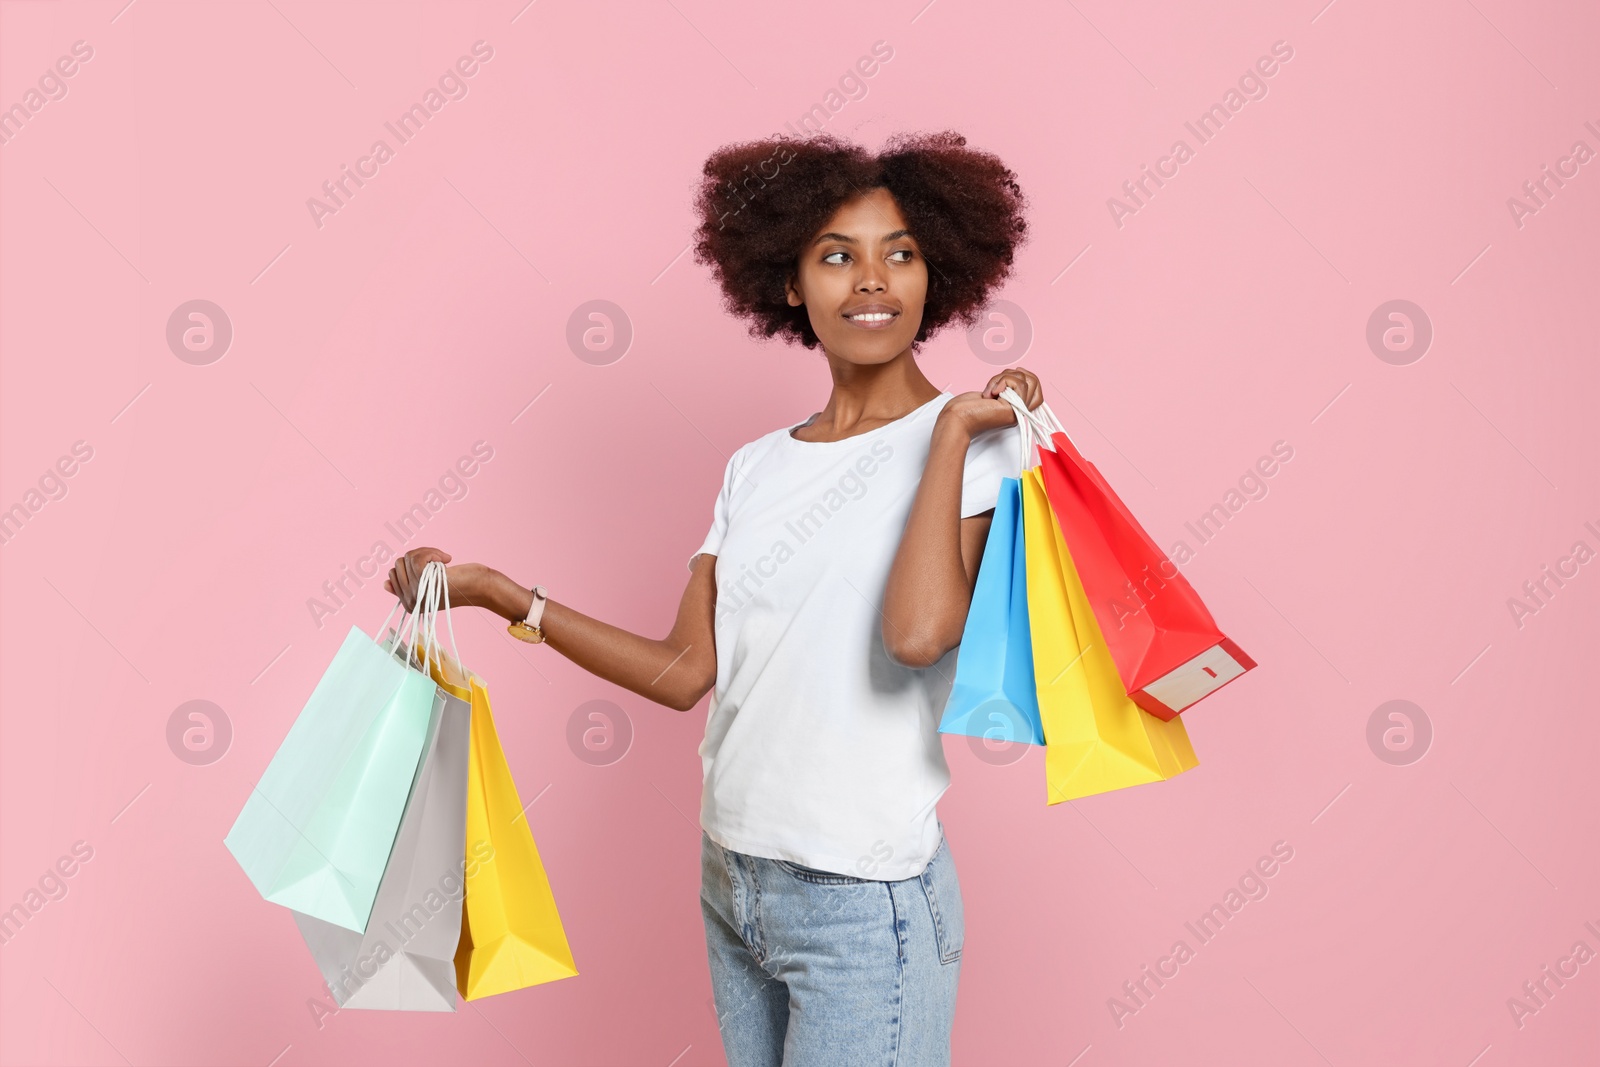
[[863, 281]]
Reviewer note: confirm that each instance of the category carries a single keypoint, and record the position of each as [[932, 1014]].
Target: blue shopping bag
[[993, 695]]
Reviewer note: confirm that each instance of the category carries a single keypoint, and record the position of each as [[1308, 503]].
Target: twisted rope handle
[[424, 611], [430, 635], [1035, 425]]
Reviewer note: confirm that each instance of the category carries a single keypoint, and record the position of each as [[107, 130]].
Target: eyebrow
[[821, 237]]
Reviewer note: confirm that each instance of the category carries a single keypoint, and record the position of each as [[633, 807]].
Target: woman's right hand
[[471, 585], [407, 572], [676, 671]]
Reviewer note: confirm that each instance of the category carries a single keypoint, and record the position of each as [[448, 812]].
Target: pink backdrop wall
[[1179, 341]]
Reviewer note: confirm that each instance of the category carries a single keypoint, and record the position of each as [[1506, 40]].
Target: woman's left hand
[[977, 412]]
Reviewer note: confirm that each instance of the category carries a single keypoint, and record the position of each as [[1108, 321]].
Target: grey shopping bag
[[405, 961]]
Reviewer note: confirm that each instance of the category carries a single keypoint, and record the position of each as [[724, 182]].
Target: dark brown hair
[[760, 202]]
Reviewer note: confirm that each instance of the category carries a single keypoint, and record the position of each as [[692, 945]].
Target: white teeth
[[874, 316]]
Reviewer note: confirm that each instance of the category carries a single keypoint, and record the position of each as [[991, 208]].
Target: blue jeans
[[815, 969]]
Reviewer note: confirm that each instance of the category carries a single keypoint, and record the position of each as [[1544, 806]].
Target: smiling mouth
[[872, 320]]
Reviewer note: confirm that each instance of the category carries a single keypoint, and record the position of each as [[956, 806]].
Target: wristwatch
[[528, 629]]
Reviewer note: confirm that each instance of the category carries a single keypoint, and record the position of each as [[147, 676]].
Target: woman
[[827, 600]]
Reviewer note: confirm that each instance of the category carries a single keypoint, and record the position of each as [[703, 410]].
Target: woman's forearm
[[926, 599], [676, 670]]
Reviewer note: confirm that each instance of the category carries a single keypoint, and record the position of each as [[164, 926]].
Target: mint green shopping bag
[[317, 829]]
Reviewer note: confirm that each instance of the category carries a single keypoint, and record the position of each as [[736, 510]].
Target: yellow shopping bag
[[511, 935], [1096, 738]]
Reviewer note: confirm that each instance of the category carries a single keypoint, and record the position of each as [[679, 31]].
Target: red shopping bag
[[1167, 648]]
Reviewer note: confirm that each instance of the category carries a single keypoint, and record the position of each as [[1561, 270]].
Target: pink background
[[1228, 313]]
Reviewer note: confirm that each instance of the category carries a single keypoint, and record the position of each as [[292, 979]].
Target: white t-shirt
[[819, 748]]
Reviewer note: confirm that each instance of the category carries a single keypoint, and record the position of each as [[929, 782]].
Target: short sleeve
[[993, 456], [719, 512]]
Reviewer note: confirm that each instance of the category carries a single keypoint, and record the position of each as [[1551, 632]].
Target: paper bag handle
[[430, 634], [423, 615], [1035, 425]]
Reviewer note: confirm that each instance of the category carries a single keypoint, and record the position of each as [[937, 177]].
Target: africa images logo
[[1252, 85], [452, 85], [734, 594], [1252, 885]]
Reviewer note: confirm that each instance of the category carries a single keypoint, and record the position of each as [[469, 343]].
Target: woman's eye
[[840, 258]]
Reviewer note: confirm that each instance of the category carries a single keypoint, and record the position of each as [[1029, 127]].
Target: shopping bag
[[406, 959], [993, 695], [1096, 738], [1167, 648], [511, 933], [316, 831]]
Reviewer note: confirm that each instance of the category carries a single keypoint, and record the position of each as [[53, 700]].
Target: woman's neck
[[865, 396]]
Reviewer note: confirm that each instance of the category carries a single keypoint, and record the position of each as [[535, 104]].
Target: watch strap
[[529, 629]]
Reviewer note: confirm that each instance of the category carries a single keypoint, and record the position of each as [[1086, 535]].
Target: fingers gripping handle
[[430, 633], [1036, 426], [1024, 426], [417, 627]]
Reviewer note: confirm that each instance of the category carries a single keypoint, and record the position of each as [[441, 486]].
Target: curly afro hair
[[760, 202]]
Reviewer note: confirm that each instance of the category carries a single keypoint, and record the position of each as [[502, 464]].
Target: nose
[[871, 279]]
